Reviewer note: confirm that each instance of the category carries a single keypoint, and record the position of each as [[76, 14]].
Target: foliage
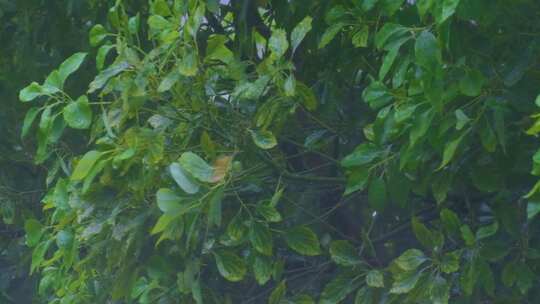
[[291, 151], [35, 36]]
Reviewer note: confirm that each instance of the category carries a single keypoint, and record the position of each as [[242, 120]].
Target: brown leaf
[[221, 167]]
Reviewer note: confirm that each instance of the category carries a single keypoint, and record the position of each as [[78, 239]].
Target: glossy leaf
[[97, 34], [375, 278], [182, 179], [303, 240], [343, 253], [278, 293], [278, 43], [263, 139], [410, 259], [261, 238], [300, 31], [230, 265], [85, 164], [31, 92], [78, 114], [34, 230], [196, 167]]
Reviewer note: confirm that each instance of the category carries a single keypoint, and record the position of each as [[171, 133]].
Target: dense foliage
[[36, 36], [369, 151]]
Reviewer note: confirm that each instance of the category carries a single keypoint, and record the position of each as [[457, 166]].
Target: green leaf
[[303, 240], [509, 274], [86, 164], [450, 221], [70, 65], [398, 77], [278, 294], [158, 23], [390, 7], [276, 197], [64, 239], [330, 33], [404, 112], [377, 95], [357, 180], [410, 259], [420, 127], [278, 43], [31, 92], [217, 49], [34, 230], [102, 55], [388, 31], [290, 86], [405, 282], [169, 81], [450, 262], [262, 268], [236, 229], [299, 32], [449, 151], [368, 4], [422, 233], [214, 207], [189, 65], [263, 139], [306, 95], [471, 84], [338, 289], [334, 14], [169, 203], [182, 179], [230, 265], [269, 212], [377, 194], [97, 34], [448, 9], [134, 24], [533, 208], [343, 253], [38, 255], [60, 195], [102, 78], [487, 231], [78, 114], [427, 52], [388, 61], [364, 295], [439, 290], [467, 235], [196, 166], [375, 278], [303, 299], [424, 6], [363, 154], [261, 238], [361, 37], [525, 277], [53, 83], [29, 119], [160, 7], [163, 222], [462, 119]]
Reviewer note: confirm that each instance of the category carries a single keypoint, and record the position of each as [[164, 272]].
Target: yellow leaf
[[221, 166]]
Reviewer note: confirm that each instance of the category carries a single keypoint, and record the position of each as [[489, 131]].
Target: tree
[[292, 151]]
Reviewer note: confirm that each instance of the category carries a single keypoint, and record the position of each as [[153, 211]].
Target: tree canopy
[[273, 151]]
